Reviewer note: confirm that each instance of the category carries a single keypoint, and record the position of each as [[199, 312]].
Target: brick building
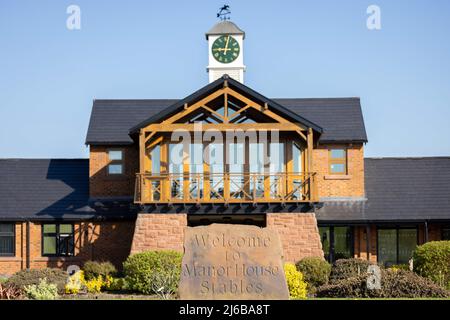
[[223, 154]]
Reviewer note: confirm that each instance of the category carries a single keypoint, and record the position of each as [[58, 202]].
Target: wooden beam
[[301, 134], [168, 127], [195, 106], [263, 109], [213, 112], [238, 112], [154, 143]]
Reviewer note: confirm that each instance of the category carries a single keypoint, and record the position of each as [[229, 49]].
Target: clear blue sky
[[157, 49]]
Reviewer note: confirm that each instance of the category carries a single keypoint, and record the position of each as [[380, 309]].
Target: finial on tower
[[224, 13]]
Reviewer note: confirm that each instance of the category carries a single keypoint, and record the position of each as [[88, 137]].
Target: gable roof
[[215, 85], [47, 189], [339, 119], [398, 189]]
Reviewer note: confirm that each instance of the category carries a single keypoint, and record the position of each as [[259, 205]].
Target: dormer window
[[116, 162], [337, 161]]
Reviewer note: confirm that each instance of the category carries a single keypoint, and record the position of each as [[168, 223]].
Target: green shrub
[[42, 291], [394, 284], [348, 268], [118, 284], [432, 260], [295, 283], [94, 269], [142, 269], [315, 270], [33, 276]]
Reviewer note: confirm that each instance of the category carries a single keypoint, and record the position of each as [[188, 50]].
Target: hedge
[[432, 260]]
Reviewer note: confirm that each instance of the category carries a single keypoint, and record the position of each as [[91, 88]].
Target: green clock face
[[225, 49]]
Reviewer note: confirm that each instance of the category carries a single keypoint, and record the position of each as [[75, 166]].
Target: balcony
[[225, 188]]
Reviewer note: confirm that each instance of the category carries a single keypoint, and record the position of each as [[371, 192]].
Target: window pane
[[387, 246], [115, 155], [297, 157], [407, 242], [49, 245], [115, 169], [6, 245], [337, 153], [65, 246], [7, 228], [325, 237], [342, 243], [276, 157], [65, 228], [337, 168], [156, 160], [49, 228], [446, 234]]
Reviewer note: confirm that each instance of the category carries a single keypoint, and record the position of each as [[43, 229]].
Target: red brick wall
[[104, 241], [159, 232], [299, 234], [103, 185], [349, 185]]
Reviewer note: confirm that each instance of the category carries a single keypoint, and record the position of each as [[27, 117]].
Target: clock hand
[[226, 45]]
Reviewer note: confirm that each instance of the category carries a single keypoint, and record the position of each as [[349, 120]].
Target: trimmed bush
[[94, 269], [432, 260], [315, 270], [294, 279], [348, 268], [32, 277], [142, 269], [42, 291], [394, 284]]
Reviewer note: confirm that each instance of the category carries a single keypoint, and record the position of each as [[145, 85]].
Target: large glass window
[[337, 242], [7, 239], [396, 245], [57, 240]]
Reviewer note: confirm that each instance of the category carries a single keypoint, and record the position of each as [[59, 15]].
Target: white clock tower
[[226, 51]]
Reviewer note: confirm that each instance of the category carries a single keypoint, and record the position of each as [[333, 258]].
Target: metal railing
[[225, 188]]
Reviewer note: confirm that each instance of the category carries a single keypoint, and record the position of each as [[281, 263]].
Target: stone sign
[[224, 261]]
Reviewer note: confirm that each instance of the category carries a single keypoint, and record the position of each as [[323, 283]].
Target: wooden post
[[186, 176], [225, 112], [142, 193], [266, 153], [310, 164], [226, 171], [164, 162], [206, 172], [289, 167]]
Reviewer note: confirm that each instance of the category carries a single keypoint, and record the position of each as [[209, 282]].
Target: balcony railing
[[225, 188]]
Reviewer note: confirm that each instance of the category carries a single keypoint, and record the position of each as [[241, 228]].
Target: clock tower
[[225, 51]]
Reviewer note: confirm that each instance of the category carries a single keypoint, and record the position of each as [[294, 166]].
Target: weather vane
[[224, 13]]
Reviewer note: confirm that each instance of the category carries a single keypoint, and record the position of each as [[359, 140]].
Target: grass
[[109, 296]]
